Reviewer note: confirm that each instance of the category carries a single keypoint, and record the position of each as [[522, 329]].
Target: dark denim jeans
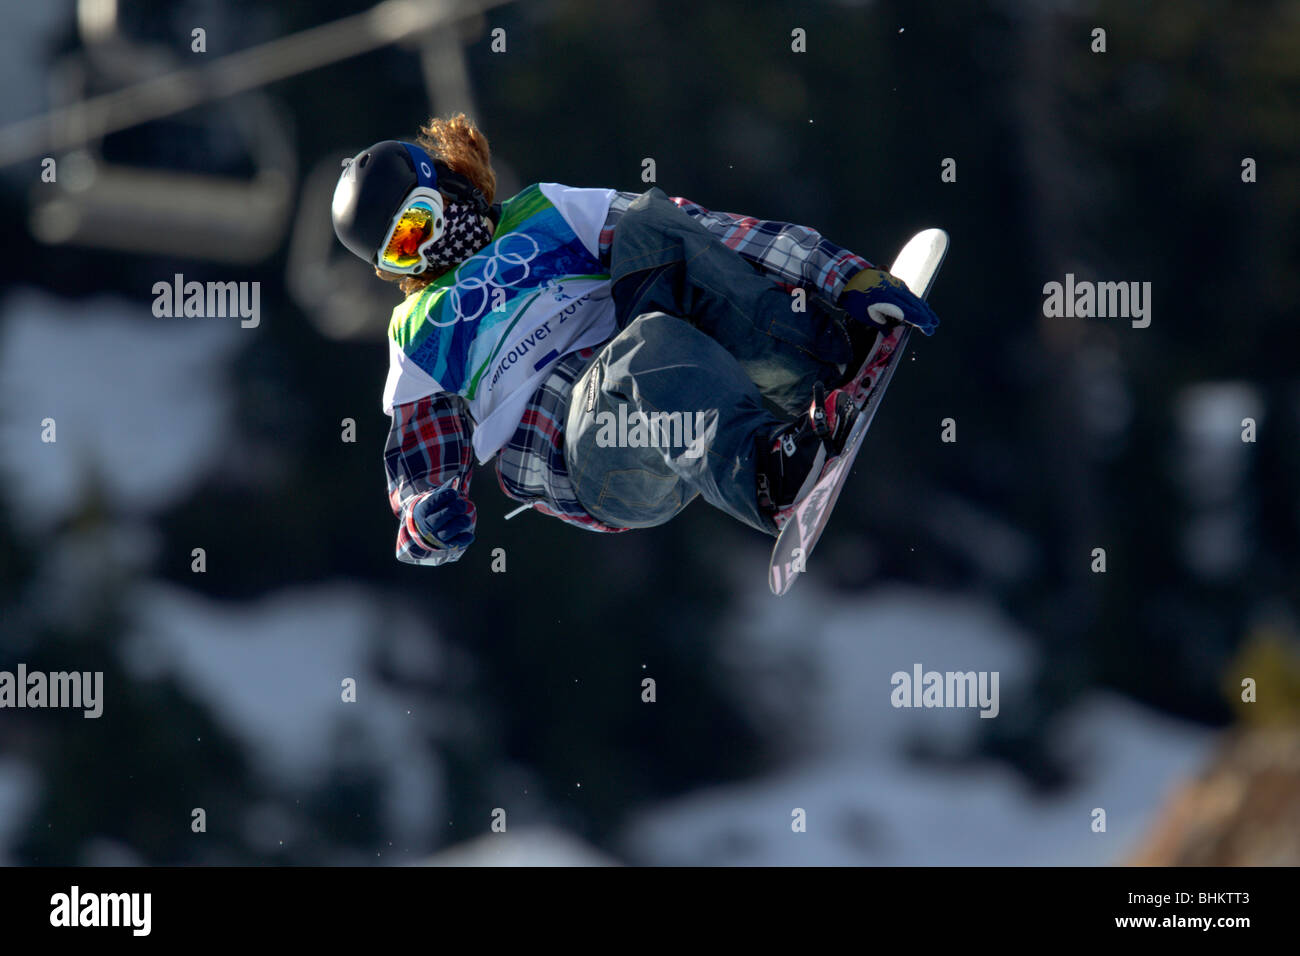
[[708, 348]]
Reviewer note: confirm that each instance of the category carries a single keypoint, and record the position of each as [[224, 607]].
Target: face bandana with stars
[[466, 233]]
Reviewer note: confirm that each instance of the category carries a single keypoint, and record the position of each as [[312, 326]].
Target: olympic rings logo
[[482, 273]]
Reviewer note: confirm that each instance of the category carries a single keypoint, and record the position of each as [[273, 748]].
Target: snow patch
[[271, 672], [138, 403], [816, 669]]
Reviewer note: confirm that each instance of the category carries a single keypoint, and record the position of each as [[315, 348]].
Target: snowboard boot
[[791, 458]]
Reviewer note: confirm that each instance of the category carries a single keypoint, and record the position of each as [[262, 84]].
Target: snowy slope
[[821, 684]]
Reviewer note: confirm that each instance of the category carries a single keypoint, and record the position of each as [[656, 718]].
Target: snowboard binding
[[801, 523], [792, 458]]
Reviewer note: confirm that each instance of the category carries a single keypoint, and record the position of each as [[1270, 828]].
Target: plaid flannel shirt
[[429, 440]]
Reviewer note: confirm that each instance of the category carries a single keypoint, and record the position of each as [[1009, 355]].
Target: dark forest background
[[1072, 433]]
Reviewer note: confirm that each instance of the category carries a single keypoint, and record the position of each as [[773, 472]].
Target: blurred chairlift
[[98, 202], [160, 211]]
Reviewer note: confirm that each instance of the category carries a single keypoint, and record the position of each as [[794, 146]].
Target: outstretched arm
[[429, 463]]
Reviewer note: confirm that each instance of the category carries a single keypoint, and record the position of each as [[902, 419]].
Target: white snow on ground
[[843, 652], [123, 388], [866, 801], [271, 675]]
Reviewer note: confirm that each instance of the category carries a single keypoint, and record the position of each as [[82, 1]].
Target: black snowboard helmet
[[373, 188]]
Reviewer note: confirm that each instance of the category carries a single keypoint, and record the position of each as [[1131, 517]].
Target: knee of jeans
[[655, 325], [638, 497], [646, 198], [651, 213]]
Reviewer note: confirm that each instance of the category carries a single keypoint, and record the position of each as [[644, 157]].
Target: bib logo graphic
[[506, 266], [424, 168], [557, 290]]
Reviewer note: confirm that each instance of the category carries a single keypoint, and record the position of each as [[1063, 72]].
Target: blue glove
[[875, 297], [445, 517]]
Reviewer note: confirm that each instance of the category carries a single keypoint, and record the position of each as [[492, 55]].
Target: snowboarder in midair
[[618, 353]]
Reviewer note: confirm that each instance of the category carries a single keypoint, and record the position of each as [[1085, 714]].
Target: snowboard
[[917, 265]]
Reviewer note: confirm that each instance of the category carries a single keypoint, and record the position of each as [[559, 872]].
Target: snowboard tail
[[917, 265]]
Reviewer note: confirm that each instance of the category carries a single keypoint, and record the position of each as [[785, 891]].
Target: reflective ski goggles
[[419, 225]]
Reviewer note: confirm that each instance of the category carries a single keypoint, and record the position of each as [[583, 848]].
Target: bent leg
[[663, 260], [663, 414]]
